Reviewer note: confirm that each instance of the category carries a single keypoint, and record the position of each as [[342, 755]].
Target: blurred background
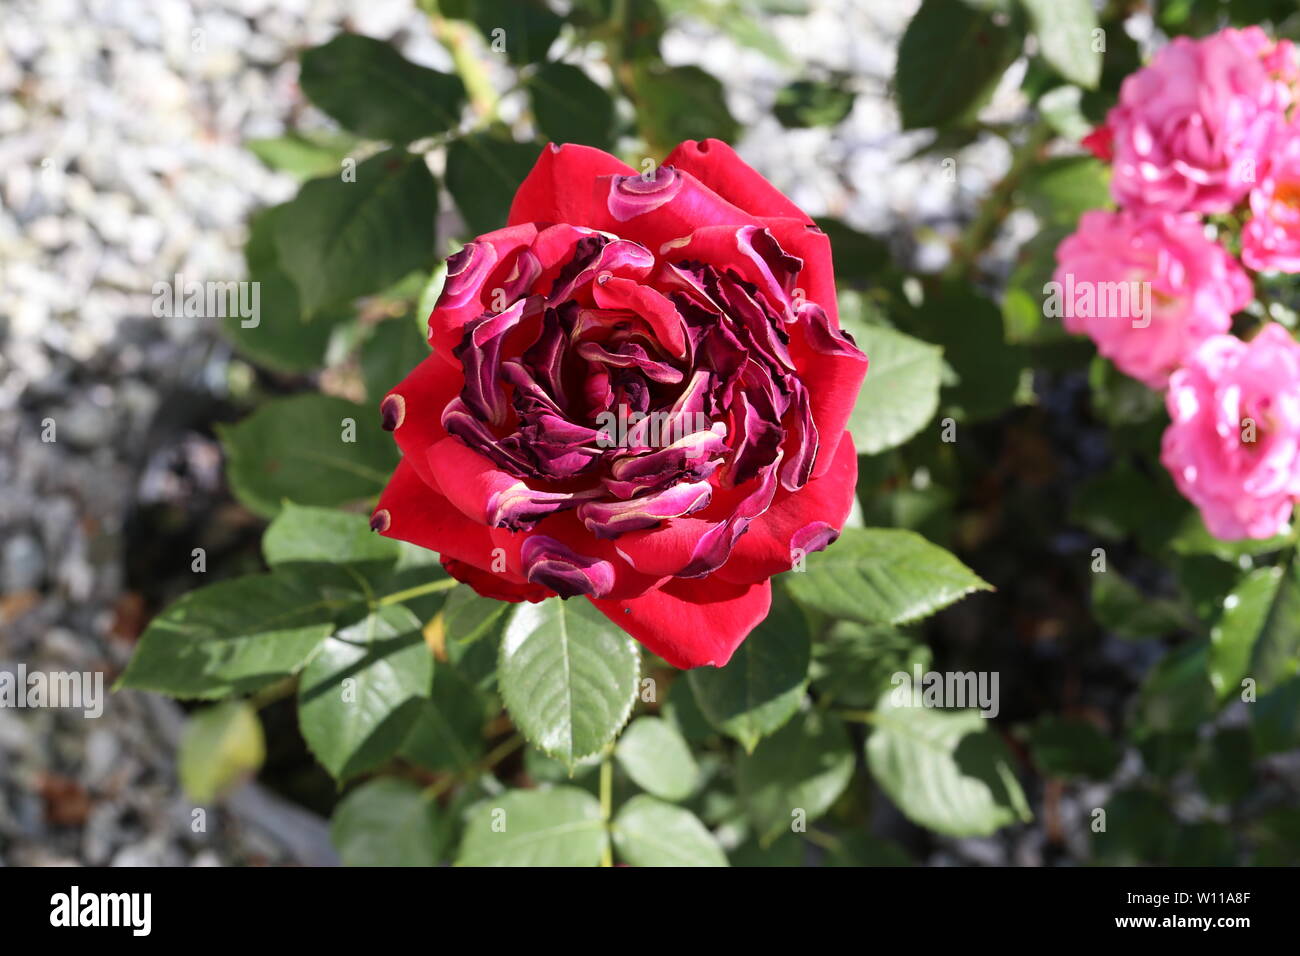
[[136, 139]]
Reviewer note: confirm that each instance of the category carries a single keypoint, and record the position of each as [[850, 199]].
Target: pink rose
[[1234, 446], [1271, 239], [1147, 287], [1193, 130]]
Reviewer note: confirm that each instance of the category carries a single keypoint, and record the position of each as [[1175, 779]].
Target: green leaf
[[970, 329], [785, 850], [763, 683], [1275, 719], [649, 832], [1275, 835], [1023, 320], [476, 660], [302, 533], [900, 393], [1176, 695], [387, 822], [448, 729], [483, 174], [468, 616], [739, 20], [222, 746], [557, 827], [949, 61], [1276, 657], [1123, 609], [304, 155], [1061, 189], [1166, 754], [544, 769], [373, 91], [659, 761], [279, 335], [854, 663], [1066, 747], [568, 677], [295, 448], [1201, 844], [1123, 500], [340, 239], [394, 348], [863, 849], [1065, 37], [1232, 639], [528, 27], [682, 710], [944, 769], [1205, 583], [795, 775], [1138, 827], [882, 576], [679, 103], [1192, 537], [802, 103], [243, 633], [355, 696], [1062, 108], [570, 107], [1119, 400], [1223, 765]]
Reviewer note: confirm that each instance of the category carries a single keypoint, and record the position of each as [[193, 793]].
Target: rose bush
[[625, 398], [1205, 128], [695, 299]]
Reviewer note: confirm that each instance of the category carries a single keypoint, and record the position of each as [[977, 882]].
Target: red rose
[[637, 394]]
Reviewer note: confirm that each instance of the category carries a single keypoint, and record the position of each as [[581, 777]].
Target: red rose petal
[[419, 514], [424, 393], [717, 166], [490, 585], [464, 302], [564, 186], [765, 549], [692, 623]]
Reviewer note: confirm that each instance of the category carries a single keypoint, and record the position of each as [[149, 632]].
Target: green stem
[[277, 691], [857, 716], [823, 840], [397, 597], [501, 751], [456, 38], [997, 204], [607, 808], [497, 754]]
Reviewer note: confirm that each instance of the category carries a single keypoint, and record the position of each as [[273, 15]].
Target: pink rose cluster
[[1208, 129]]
